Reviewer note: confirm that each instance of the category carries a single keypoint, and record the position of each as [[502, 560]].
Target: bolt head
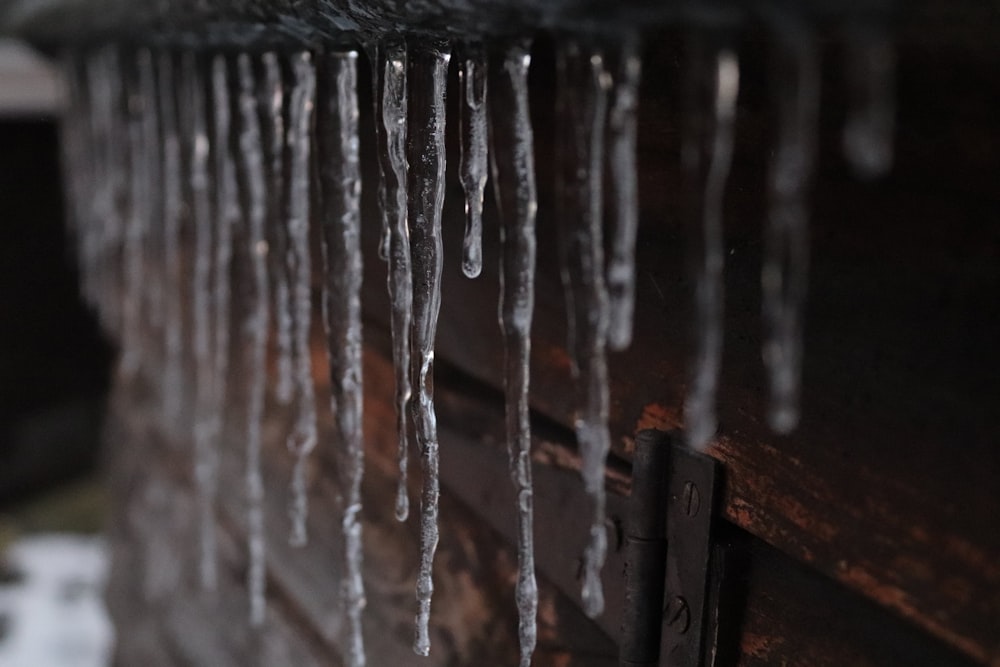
[[691, 499]]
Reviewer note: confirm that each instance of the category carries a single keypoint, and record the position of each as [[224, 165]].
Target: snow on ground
[[53, 613]]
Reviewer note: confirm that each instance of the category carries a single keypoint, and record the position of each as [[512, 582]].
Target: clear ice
[[273, 136], [303, 437], [796, 71], [624, 193], [340, 202], [173, 198], [428, 78], [581, 101], [137, 229], [254, 329], [390, 124], [517, 203], [472, 86], [870, 69], [193, 81], [707, 152]]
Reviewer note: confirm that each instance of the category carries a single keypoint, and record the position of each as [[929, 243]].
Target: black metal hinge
[[670, 612]]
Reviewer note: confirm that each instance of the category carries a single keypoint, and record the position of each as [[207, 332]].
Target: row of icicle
[[219, 149]]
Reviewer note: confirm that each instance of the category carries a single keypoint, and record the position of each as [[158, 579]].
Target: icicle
[[152, 197], [206, 457], [624, 194], [870, 69], [389, 83], [514, 185], [712, 85], [138, 223], [96, 140], [113, 268], [378, 59], [786, 234], [227, 214], [303, 437], [273, 131], [428, 80], [73, 143], [340, 194], [172, 202], [254, 328], [390, 121], [581, 100], [472, 106]]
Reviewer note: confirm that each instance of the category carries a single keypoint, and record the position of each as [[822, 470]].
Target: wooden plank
[[887, 485]]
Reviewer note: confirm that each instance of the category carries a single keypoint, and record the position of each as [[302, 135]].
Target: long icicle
[[303, 437], [172, 202], [624, 193], [137, 228], [273, 132], [152, 197], [391, 124], [378, 58], [712, 86], [227, 214], [513, 163], [581, 99], [193, 76], [472, 85], [340, 196], [74, 143], [870, 68], [796, 71], [100, 236], [428, 80], [95, 94], [254, 328]]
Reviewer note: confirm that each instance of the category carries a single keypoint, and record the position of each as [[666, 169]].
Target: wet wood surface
[[888, 486], [868, 537]]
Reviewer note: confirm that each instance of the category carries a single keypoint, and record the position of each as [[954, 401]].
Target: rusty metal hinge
[[670, 615]]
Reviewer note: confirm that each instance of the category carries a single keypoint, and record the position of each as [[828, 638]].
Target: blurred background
[[54, 373]]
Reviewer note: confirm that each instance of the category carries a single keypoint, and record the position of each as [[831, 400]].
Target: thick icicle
[[273, 133], [870, 67], [303, 437], [624, 193], [514, 186], [254, 327], [427, 83], [340, 196], [172, 202], [206, 456], [390, 123], [711, 88], [581, 101], [474, 157], [796, 71]]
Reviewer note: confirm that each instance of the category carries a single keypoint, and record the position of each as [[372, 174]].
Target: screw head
[[677, 614], [691, 499]]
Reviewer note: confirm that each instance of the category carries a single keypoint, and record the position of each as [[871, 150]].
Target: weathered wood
[[887, 487], [163, 619]]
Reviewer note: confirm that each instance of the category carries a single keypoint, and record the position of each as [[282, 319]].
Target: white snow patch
[[54, 614]]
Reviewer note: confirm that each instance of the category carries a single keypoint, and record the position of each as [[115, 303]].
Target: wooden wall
[[867, 537]]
